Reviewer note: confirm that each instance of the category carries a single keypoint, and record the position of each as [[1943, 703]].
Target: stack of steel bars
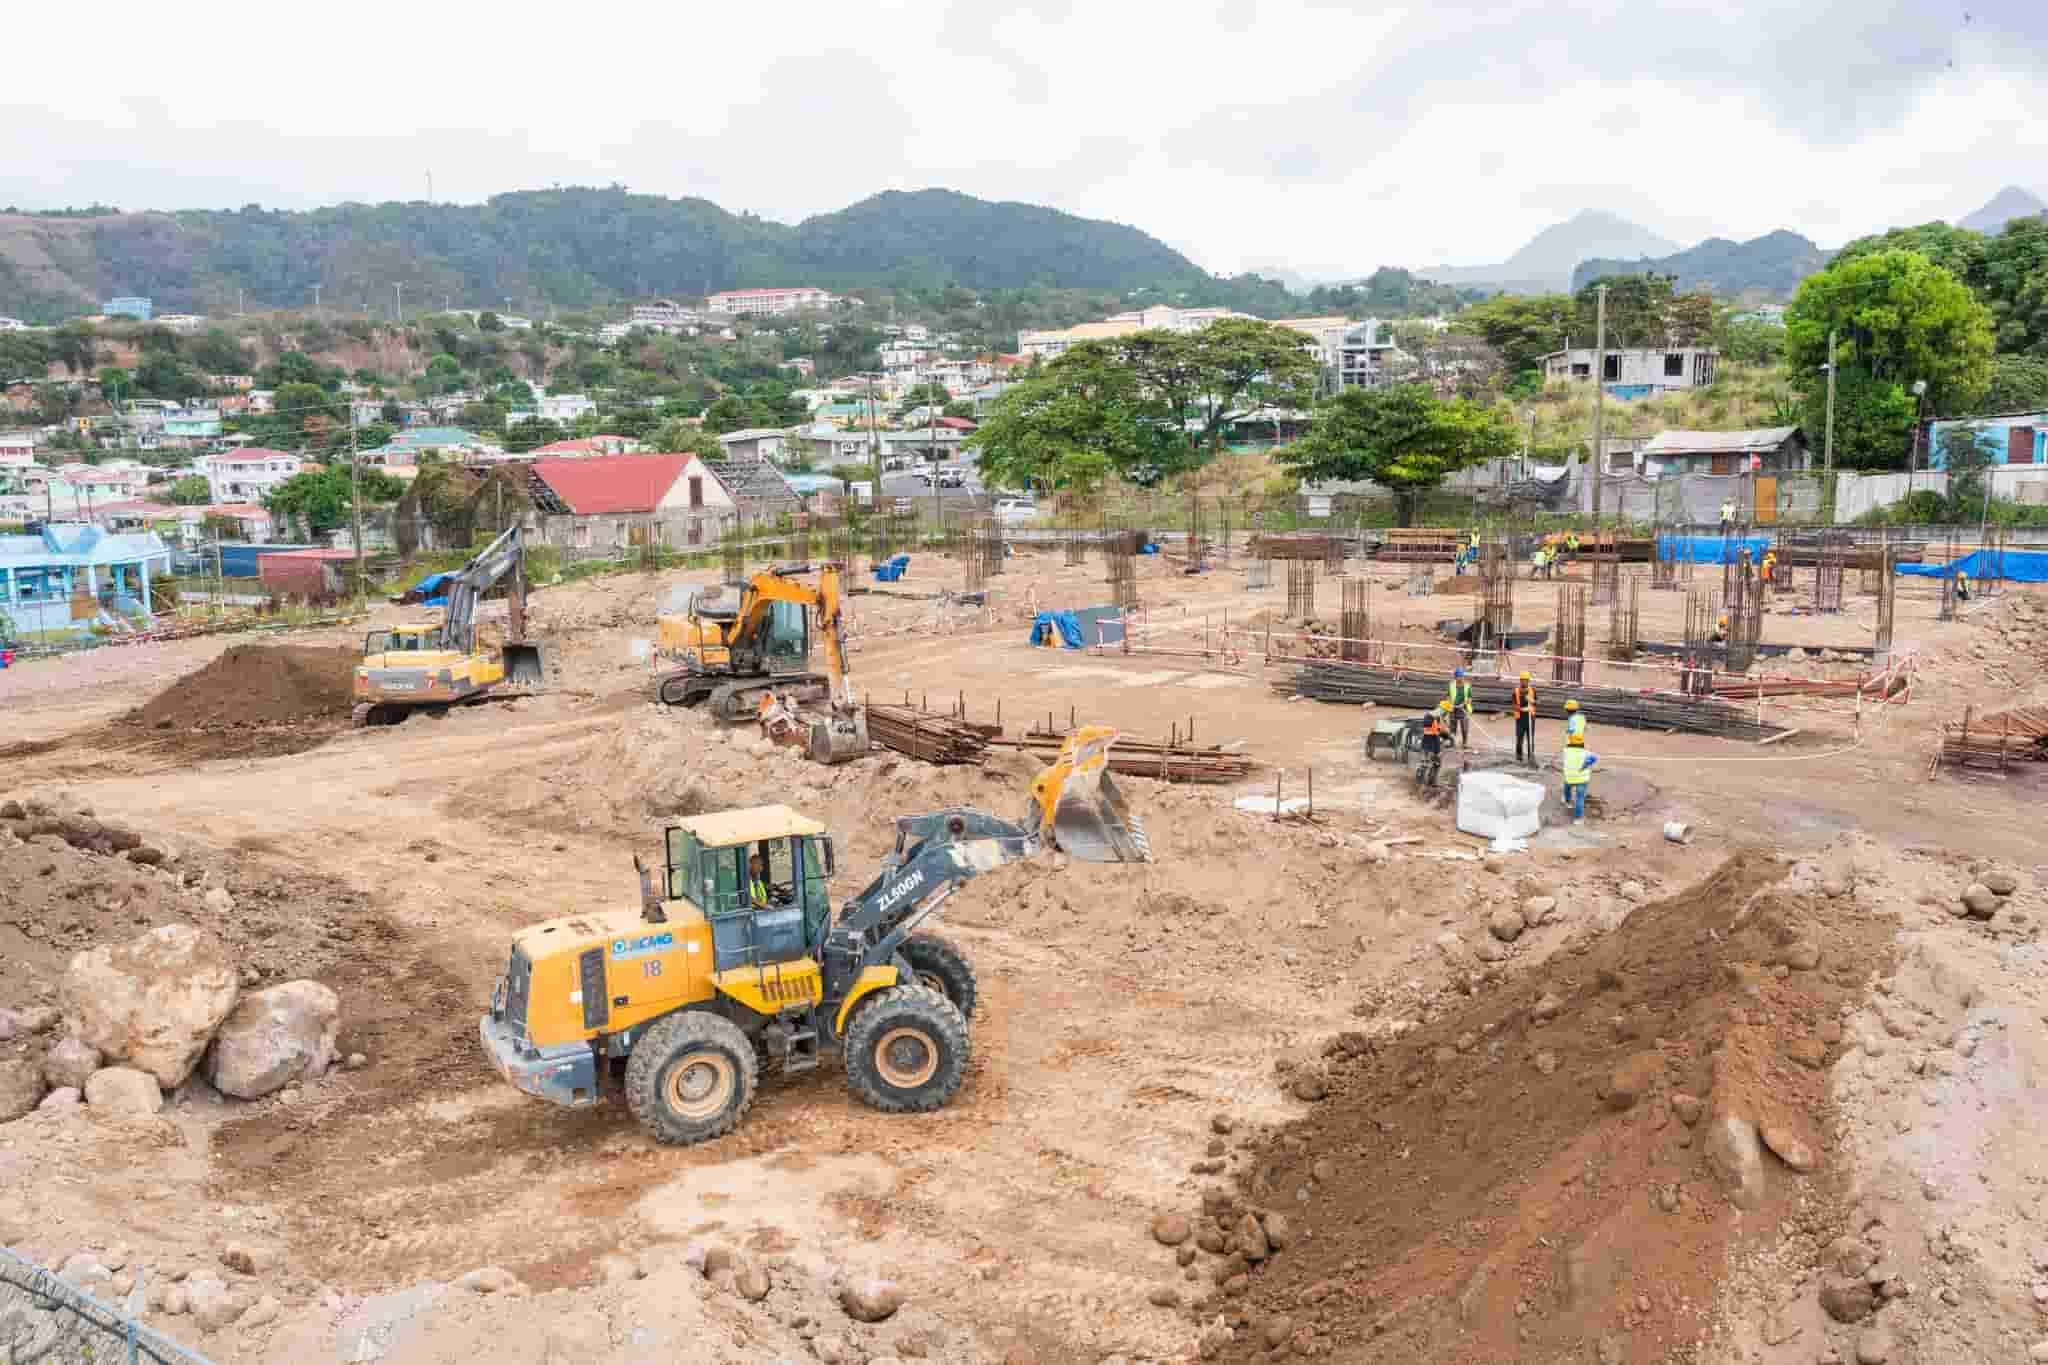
[[1418, 691], [1996, 738], [1749, 689], [935, 739], [1169, 762]]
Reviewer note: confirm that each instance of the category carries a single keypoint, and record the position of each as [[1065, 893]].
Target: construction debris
[[1642, 710]]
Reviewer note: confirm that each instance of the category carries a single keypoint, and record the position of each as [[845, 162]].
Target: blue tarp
[[1065, 622], [2020, 566], [426, 588], [1711, 549], [892, 569]]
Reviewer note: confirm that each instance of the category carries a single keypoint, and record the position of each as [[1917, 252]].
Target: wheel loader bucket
[[1079, 807], [522, 663]]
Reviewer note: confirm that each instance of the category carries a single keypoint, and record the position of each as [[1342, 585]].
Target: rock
[[70, 1063], [871, 1300], [1980, 900], [250, 1258], [1163, 1296], [1686, 1107], [1222, 1124], [21, 1089], [1171, 1229], [1537, 909], [1632, 891], [1277, 1330], [84, 1270], [2038, 1351], [63, 1097], [219, 901], [146, 855], [1214, 1341], [2001, 883], [1250, 1239], [1807, 1052], [1309, 1085], [122, 1092], [1803, 956], [1833, 889], [37, 1018], [1546, 1007], [1279, 1231], [356, 1061], [717, 1260], [1732, 1150], [488, 1279], [1848, 1300], [1873, 1346], [750, 1282], [259, 1313], [1210, 1238], [154, 1001], [1633, 1079], [1505, 925], [212, 1303], [1546, 1063], [274, 1037], [1791, 1149], [1851, 1256]]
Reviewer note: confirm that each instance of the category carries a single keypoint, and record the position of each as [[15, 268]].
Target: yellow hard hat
[[1572, 705], [1444, 705], [1525, 675], [1579, 740], [1724, 620]]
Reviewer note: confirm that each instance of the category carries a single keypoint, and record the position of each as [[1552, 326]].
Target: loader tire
[[691, 1077], [906, 1052], [937, 965]]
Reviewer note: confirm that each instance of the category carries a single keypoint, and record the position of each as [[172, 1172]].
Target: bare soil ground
[[1462, 1202]]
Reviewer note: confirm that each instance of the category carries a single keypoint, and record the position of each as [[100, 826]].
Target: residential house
[[589, 445], [191, 424], [916, 331], [753, 443], [128, 307], [73, 576], [110, 482], [185, 324], [452, 443], [766, 302], [613, 502], [565, 407], [17, 447], [262, 400], [1771, 314], [1772, 450], [239, 383], [512, 322], [904, 355], [2006, 438], [12, 325], [826, 445], [248, 475], [802, 365], [1637, 372], [664, 313]]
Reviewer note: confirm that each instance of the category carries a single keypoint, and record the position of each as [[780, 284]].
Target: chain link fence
[[45, 1320]]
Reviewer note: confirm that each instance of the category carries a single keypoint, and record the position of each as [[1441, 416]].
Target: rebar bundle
[[935, 739], [1994, 739], [1568, 661], [1301, 588], [1623, 617], [1355, 622], [1331, 681]]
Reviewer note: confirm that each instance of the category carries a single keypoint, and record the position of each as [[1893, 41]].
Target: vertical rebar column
[[732, 553], [1497, 594], [1076, 542], [1333, 551], [1663, 558], [1948, 581], [1886, 595], [1353, 626], [1198, 539], [1568, 653], [1123, 577], [1623, 614], [974, 561], [1301, 588], [1827, 574], [1605, 570], [1743, 606], [1223, 533], [1259, 570]]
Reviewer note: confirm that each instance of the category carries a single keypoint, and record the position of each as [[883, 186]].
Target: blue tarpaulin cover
[[1711, 549], [428, 589], [1064, 622], [891, 569], [2020, 566]]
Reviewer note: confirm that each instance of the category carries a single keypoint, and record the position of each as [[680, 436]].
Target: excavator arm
[[502, 557]]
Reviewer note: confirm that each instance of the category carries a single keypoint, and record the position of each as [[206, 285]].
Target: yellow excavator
[[739, 958], [746, 653], [437, 663]]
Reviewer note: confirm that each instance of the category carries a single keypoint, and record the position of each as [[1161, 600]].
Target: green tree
[[961, 408], [294, 367], [216, 351], [191, 491], [487, 321], [1873, 421], [531, 434], [1401, 437], [1901, 319], [373, 435], [322, 501], [2019, 383], [1964, 455], [1523, 328], [23, 355], [1752, 342], [921, 394], [75, 347], [730, 413], [676, 437], [2013, 281], [1045, 421], [1957, 250]]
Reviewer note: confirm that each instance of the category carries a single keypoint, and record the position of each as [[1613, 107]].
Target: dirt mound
[[1548, 1151], [253, 685]]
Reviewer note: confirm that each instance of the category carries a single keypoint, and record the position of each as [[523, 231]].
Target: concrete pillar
[[147, 614]]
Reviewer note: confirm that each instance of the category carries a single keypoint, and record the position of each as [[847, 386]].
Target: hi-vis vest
[[1575, 724], [1577, 767], [1525, 699], [1461, 695]]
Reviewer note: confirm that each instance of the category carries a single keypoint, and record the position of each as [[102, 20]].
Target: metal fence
[[49, 1321]]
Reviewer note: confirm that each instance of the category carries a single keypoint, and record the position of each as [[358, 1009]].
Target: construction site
[[1190, 1011]]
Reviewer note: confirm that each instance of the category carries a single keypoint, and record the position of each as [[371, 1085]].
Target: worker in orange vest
[[1525, 720]]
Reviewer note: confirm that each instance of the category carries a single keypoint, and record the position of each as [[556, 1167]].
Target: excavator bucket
[[522, 663], [1080, 810], [839, 738]]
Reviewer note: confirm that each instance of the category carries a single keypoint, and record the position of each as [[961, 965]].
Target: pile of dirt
[[1574, 1154], [256, 685]]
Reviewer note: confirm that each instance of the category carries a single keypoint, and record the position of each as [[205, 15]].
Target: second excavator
[[738, 653]]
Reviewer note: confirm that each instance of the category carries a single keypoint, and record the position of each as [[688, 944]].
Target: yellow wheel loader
[[739, 960], [437, 663]]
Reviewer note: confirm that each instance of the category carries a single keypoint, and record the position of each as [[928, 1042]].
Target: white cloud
[[1287, 132]]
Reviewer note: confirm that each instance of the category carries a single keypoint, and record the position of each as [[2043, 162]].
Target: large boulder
[[70, 1063], [21, 1088], [120, 1092], [154, 1001], [275, 1037]]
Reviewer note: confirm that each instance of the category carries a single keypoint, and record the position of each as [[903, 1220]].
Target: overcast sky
[[1320, 138]]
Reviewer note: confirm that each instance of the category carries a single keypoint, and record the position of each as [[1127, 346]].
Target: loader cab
[[720, 862]]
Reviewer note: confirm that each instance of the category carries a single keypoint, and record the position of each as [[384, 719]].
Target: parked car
[[1015, 511], [953, 478]]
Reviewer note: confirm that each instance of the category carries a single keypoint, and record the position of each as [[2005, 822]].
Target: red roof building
[[589, 445]]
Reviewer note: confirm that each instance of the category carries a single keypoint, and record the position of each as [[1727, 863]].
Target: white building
[[17, 447], [766, 302], [1637, 372], [1364, 355], [249, 475], [565, 407], [664, 313], [512, 322], [185, 324], [1159, 317], [916, 331], [12, 325]]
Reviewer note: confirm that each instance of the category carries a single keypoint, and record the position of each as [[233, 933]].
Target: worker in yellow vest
[[1578, 773], [1574, 722], [1770, 570], [1459, 699], [1525, 720], [1962, 586]]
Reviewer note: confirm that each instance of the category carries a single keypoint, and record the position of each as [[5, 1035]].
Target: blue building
[[2012, 438], [140, 309], [74, 575]]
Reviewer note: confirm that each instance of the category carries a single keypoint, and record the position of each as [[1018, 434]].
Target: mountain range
[[1546, 261], [2009, 203], [1772, 264]]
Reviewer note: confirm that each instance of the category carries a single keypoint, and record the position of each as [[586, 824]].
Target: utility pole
[[238, 303], [874, 447], [398, 314], [316, 300], [1828, 443], [355, 493], [1599, 398]]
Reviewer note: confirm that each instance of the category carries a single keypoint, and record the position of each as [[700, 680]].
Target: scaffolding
[[1355, 624], [1568, 659], [1624, 617], [1301, 588]]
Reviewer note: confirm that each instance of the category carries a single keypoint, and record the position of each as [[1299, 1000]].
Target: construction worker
[[1727, 514], [1459, 703], [1720, 630], [1536, 562], [1770, 569], [1574, 722], [1962, 586], [757, 881], [1433, 731], [1525, 719], [1571, 543], [1578, 772]]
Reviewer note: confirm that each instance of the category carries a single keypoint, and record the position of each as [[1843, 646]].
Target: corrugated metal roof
[[750, 478], [1718, 442], [612, 483]]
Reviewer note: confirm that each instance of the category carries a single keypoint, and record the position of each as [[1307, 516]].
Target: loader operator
[[757, 881]]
